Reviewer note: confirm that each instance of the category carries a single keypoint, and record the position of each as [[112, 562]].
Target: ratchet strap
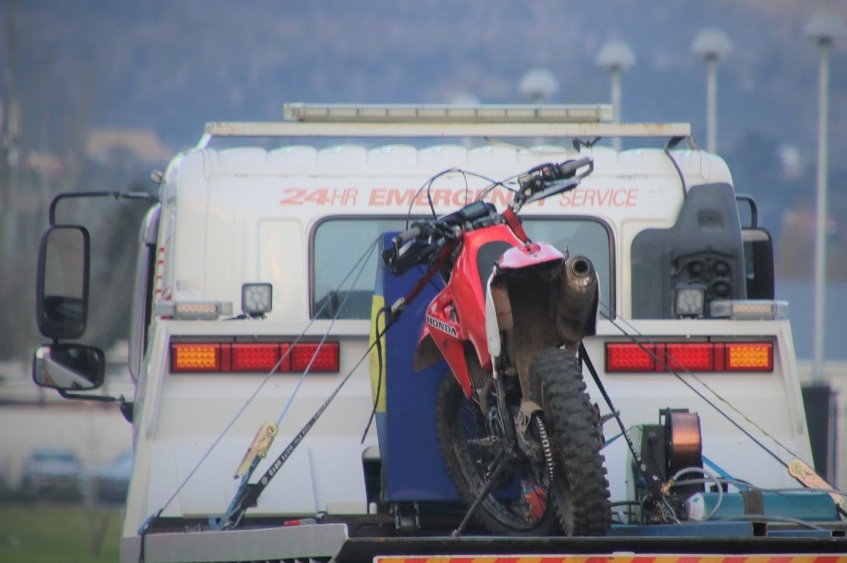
[[248, 494], [652, 482]]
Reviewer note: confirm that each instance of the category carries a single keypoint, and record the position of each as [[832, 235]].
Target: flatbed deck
[[371, 538]]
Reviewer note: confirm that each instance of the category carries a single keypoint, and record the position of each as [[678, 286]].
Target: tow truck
[[254, 328]]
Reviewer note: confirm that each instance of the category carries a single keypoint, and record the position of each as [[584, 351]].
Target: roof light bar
[[752, 310], [192, 310], [446, 113], [444, 121]]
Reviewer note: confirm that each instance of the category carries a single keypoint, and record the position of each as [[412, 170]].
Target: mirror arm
[[116, 195], [126, 407], [84, 397], [60, 197]]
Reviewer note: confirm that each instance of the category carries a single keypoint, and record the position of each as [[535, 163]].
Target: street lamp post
[[538, 84], [616, 57], [823, 29], [711, 44]]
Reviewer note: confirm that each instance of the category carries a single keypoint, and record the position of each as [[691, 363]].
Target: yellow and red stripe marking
[[783, 558]]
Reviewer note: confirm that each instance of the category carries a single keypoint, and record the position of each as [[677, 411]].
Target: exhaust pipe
[[576, 306]]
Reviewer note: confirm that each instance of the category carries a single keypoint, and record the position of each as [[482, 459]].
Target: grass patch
[[46, 533]]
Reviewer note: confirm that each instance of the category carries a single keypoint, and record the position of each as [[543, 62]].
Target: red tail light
[[255, 357], [689, 356], [325, 356], [194, 357], [630, 357]]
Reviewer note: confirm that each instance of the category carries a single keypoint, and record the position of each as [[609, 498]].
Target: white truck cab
[[256, 279]]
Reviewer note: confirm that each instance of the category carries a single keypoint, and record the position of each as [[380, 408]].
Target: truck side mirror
[[758, 263], [748, 211], [68, 367], [62, 283]]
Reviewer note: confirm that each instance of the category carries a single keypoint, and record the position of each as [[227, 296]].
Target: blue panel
[[800, 533], [810, 505], [724, 529], [414, 468]]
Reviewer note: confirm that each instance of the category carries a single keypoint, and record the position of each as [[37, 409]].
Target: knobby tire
[[520, 504], [571, 423]]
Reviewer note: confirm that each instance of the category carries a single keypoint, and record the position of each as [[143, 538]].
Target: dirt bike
[[519, 435]]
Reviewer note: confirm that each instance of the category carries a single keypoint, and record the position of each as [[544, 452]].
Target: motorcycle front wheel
[[520, 502], [558, 387]]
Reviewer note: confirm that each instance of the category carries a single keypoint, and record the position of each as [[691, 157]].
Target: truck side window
[[337, 248], [584, 236]]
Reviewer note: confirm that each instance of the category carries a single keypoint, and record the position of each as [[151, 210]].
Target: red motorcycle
[[519, 435]]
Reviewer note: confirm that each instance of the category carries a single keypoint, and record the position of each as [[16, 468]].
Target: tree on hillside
[[31, 174]]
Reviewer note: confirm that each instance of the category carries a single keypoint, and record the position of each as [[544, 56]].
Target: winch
[[672, 452]]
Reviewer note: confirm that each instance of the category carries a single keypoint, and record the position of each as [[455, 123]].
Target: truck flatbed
[[375, 538]]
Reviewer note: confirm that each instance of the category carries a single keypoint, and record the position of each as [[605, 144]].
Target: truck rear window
[[584, 236], [344, 259]]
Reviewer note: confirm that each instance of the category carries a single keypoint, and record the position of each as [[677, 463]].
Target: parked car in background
[[53, 472], [109, 482]]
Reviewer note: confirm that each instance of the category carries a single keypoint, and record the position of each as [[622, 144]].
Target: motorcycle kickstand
[[483, 493]]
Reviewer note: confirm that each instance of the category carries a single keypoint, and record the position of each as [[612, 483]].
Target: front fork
[[514, 429], [511, 419]]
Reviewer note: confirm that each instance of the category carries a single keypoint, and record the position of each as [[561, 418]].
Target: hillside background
[[97, 93]]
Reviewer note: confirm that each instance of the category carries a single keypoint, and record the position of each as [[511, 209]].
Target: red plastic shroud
[[457, 314]]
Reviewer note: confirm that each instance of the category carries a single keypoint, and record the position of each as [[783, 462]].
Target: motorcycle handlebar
[[568, 168], [416, 244], [404, 237], [551, 178], [410, 248]]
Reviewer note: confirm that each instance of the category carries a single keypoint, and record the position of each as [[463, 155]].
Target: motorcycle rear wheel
[[559, 389], [521, 503]]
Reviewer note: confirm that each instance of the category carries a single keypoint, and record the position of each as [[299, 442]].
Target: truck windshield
[[344, 259]]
